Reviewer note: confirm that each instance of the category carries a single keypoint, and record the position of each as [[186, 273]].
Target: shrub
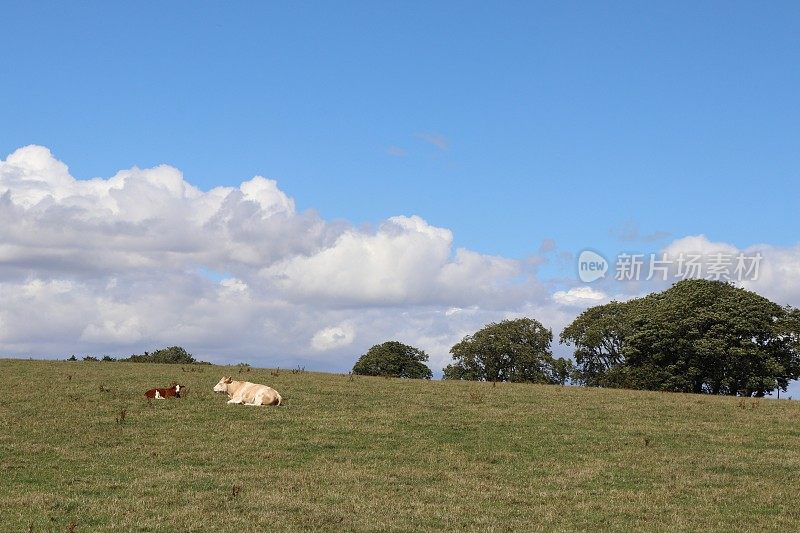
[[172, 355]]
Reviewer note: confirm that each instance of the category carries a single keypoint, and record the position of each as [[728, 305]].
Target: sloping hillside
[[371, 453]]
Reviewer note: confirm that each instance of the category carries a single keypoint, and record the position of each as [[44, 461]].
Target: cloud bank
[[143, 260]]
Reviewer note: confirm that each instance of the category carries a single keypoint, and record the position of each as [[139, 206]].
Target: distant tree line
[[173, 355], [699, 336]]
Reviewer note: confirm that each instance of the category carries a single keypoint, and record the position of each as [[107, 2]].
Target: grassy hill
[[374, 453]]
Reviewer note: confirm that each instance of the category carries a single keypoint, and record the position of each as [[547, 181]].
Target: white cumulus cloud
[[581, 296], [333, 337], [129, 263]]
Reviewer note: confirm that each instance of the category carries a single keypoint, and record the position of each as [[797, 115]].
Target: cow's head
[[222, 386]]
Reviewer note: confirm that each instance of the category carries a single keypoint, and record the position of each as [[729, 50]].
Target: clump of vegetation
[[743, 404], [175, 355], [393, 359], [476, 397], [90, 358]]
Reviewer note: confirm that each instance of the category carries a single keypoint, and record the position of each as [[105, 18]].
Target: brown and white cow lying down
[[247, 393], [160, 394]]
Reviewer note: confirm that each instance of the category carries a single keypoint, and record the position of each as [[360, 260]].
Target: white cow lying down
[[247, 393]]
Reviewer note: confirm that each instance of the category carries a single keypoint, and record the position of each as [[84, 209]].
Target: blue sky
[[562, 120], [618, 126]]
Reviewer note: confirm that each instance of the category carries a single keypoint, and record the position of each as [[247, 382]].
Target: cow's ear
[[228, 380]]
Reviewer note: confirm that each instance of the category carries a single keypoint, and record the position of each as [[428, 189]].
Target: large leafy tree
[[511, 350], [698, 336], [713, 337], [393, 359]]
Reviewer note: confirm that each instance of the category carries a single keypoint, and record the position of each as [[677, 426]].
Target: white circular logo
[[591, 266]]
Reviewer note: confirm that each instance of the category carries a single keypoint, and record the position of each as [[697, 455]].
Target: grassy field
[[383, 454]]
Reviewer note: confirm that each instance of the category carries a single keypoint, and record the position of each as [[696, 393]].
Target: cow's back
[[253, 391]]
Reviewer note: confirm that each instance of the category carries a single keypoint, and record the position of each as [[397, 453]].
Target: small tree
[[563, 370], [511, 350], [393, 359]]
